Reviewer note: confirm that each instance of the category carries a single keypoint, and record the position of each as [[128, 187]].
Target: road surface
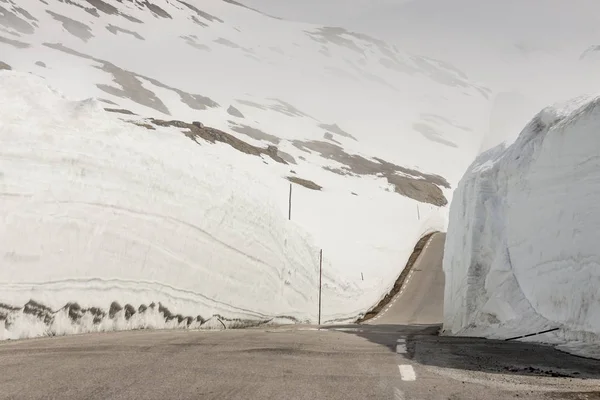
[[421, 298], [397, 356]]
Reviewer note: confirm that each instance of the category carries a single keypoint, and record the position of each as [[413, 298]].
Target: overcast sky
[[527, 46], [326, 12]]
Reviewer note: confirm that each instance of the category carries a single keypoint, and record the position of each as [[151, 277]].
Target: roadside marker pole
[[320, 281], [290, 204]]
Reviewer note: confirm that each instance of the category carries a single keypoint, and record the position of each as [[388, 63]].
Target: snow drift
[[112, 222], [118, 218], [95, 210], [522, 250]]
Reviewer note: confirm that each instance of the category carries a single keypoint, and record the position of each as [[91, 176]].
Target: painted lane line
[[407, 373]]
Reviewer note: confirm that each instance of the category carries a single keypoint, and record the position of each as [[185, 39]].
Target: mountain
[[527, 49], [148, 148]]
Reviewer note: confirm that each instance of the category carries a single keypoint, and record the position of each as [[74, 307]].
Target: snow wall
[[105, 225], [523, 248]]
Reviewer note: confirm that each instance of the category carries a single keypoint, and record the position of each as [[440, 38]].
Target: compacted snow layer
[[100, 214], [108, 225], [522, 250], [95, 210]]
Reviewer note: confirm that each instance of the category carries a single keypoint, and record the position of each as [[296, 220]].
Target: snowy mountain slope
[[530, 48], [521, 253], [385, 134], [327, 75]]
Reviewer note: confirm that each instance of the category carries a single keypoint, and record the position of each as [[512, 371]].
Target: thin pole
[[320, 281], [290, 204], [418, 213]]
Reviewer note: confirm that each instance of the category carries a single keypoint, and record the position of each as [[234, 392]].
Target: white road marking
[[398, 394], [403, 287], [407, 373]]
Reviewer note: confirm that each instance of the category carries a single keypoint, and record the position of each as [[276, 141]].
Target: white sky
[[528, 49]]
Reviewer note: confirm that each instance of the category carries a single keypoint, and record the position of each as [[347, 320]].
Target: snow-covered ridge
[[521, 252], [96, 210], [184, 60], [102, 208], [198, 116]]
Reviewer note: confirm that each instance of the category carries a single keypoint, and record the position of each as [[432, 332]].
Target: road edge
[[418, 249]]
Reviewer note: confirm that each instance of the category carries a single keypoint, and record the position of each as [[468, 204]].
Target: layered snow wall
[[522, 253], [118, 227]]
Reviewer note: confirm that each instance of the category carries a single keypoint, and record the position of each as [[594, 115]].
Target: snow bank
[[95, 210], [522, 250]]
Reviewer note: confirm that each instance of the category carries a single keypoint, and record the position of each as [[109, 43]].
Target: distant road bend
[[396, 355], [421, 297]]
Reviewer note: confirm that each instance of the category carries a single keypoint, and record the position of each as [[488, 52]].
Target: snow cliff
[[522, 250]]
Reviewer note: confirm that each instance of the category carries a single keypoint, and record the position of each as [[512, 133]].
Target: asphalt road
[[400, 360], [421, 298]]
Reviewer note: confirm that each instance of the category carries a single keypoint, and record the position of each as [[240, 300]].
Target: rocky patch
[[75, 28], [130, 86], [119, 111], [234, 112], [230, 44], [115, 30], [201, 14], [407, 182], [430, 133], [236, 3], [437, 119], [15, 43], [89, 10], [40, 64], [334, 128], [329, 136], [156, 10], [304, 182], [11, 20], [196, 131], [279, 106], [253, 132], [109, 9], [5, 66], [192, 41]]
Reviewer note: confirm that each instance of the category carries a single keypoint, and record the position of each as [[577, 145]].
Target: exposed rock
[[334, 128], [192, 42], [40, 64], [12, 21], [254, 133], [115, 29], [201, 13], [75, 28], [329, 136], [119, 111], [304, 182], [5, 66], [235, 112], [197, 131], [131, 87], [157, 10], [15, 43], [430, 133], [407, 182]]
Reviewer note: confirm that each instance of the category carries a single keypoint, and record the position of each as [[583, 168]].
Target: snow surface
[[99, 214], [96, 210], [521, 252]]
